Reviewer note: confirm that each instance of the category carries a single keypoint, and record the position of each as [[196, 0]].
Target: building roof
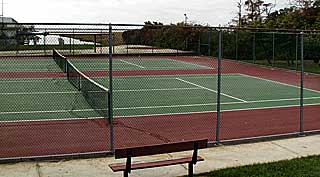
[[7, 20]]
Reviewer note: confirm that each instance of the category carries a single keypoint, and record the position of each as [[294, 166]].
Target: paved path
[[216, 158]]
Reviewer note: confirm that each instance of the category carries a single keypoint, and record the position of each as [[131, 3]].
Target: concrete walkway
[[215, 158]]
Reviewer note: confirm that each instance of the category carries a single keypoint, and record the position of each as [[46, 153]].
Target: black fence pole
[[95, 43], [209, 41], [237, 38], [273, 50], [302, 87], [254, 48], [297, 48], [45, 41], [73, 36], [219, 89], [110, 103]]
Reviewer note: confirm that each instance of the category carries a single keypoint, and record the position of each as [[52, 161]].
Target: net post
[[110, 102], [219, 89], [302, 86]]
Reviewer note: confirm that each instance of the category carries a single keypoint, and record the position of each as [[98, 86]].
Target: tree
[[256, 12], [303, 4]]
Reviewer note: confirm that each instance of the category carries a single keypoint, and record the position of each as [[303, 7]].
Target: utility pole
[[2, 8], [2, 12], [240, 13], [185, 19]]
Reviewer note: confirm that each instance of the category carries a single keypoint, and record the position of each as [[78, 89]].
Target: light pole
[[2, 12], [2, 8], [185, 19]]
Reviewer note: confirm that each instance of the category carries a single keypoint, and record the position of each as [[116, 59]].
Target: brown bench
[[159, 149]]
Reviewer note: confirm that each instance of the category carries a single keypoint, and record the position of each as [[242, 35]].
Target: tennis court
[[146, 96], [45, 65], [155, 100], [56, 98]]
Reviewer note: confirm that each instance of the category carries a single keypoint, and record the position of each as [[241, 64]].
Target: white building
[[8, 31]]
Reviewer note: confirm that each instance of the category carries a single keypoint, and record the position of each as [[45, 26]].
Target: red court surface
[[42, 138]]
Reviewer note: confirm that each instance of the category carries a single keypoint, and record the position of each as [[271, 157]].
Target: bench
[[128, 153]]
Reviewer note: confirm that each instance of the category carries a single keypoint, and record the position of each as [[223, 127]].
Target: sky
[[211, 12]]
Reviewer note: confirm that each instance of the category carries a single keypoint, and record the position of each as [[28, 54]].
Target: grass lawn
[[302, 167]]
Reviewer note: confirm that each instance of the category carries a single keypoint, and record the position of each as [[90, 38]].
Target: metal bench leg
[[125, 173], [190, 169]]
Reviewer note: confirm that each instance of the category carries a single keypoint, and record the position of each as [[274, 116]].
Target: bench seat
[[141, 165]]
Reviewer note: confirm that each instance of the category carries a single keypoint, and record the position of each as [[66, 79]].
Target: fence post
[[254, 48], [297, 48], [70, 44], [273, 49], [45, 41], [101, 42], [17, 43], [237, 38], [73, 42], [95, 43], [302, 87], [219, 88], [209, 42], [110, 105], [152, 42], [199, 45]]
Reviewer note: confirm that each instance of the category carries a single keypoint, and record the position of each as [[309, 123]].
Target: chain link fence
[[86, 89]]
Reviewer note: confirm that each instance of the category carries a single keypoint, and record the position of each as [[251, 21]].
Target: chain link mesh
[[163, 84]]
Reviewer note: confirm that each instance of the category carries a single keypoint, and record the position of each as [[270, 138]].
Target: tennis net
[[96, 95], [60, 60]]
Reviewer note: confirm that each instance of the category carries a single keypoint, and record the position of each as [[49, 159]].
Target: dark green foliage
[[174, 37]]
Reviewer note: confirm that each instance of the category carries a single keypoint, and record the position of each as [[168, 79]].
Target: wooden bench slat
[[142, 165], [160, 148]]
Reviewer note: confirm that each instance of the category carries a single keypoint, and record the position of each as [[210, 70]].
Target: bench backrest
[[160, 148]]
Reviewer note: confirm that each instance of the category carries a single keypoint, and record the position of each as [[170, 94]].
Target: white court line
[[46, 120], [171, 76], [132, 64], [279, 83], [31, 79], [74, 92], [174, 106], [190, 63], [147, 90], [213, 104], [164, 114], [201, 112], [163, 77], [38, 93], [31, 70], [54, 111], [210, 90]]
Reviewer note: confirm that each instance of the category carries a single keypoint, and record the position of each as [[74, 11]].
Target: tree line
[[244, 44]]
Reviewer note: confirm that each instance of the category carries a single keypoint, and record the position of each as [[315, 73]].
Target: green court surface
[[45, 65], [56, 98]]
